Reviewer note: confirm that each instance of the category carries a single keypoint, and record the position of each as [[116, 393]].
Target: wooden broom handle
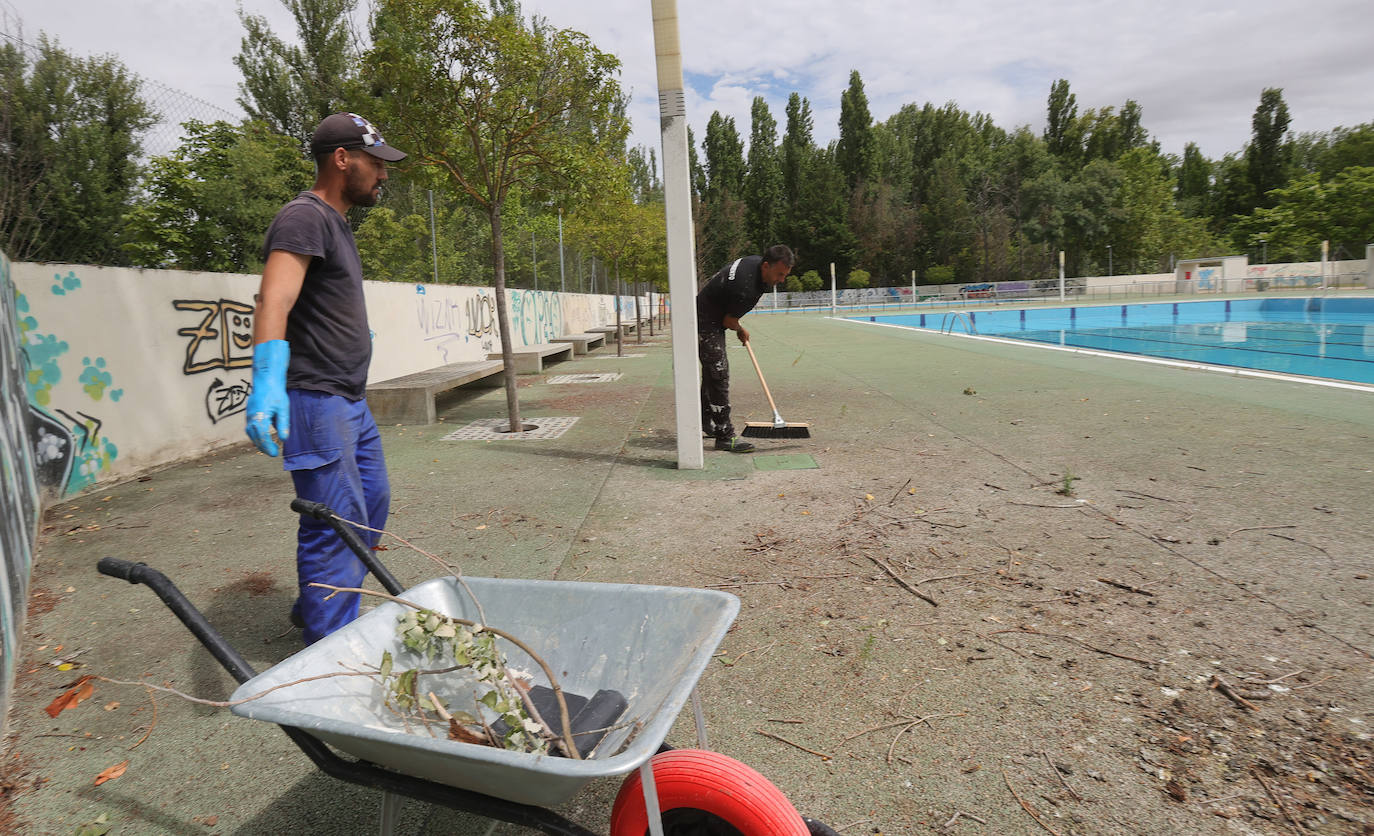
[[761, 380]]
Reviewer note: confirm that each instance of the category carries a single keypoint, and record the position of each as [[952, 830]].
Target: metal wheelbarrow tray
[[650, 643]]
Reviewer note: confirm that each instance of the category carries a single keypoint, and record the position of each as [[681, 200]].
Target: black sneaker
[[734, 445]]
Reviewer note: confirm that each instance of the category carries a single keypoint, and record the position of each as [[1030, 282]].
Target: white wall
[[140, 368]]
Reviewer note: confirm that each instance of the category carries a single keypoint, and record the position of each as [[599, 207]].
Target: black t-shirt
[[734, 291], [331, 345]]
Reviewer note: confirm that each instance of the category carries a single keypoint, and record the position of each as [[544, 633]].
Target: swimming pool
[[1317, 337]]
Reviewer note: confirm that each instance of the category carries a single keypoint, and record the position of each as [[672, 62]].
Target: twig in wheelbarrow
[[568, 744]]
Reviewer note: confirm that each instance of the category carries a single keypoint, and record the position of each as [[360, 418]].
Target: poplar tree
[[854, 153], [763, 180], [1269, 152]]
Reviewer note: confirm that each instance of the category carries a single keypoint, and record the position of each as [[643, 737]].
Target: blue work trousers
[[334, 454]]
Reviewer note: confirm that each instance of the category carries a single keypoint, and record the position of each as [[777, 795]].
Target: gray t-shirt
[[331, 345]]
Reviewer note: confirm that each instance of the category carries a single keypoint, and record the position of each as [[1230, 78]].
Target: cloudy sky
[[1196, 67]]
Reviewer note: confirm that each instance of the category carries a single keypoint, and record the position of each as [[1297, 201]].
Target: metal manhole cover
[[490, 429], [597, 377]]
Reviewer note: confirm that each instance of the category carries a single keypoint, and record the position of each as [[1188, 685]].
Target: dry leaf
[[111, 706], [111, 773], [71, 697]]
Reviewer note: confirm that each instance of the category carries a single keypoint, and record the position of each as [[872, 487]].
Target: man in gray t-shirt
[[311, 352]]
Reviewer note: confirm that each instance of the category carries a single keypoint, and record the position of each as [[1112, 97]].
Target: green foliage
[[939, 274], [857, 278], [210, 201], [290, 87], [722, 233], [855, 149], [1308, 211], [811, 280], [437, 639], [793, 284], [763, 179], [71, 129], [1268, 155]]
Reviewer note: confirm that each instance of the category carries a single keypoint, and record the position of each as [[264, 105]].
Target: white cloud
[[1197, 67]]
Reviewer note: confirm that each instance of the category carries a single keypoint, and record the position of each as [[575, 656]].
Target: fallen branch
[[961, 814], [1026, 806], [1126, 586], [1094, 648], [898, 578], [1279, 801], [1230, 693], [1259, 528], [567, 739], [912, 725], [1060, 776], [820, 755], [898, 493]]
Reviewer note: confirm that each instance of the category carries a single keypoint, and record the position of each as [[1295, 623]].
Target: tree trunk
[[619, 331], [498, 256]]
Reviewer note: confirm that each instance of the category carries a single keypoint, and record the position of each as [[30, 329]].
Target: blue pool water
[[1316, 337]]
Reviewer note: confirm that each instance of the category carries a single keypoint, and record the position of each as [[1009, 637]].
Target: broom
[[779, 428]]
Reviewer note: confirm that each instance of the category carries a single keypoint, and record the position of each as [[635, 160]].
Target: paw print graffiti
[[49, 448], [65, 283], [93, 377]]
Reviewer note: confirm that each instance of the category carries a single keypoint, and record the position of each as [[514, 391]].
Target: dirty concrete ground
[[1002, 603]]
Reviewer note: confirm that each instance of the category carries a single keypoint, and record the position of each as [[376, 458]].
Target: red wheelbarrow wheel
[[707, 793]]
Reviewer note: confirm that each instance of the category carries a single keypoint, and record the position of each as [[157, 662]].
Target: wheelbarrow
[[636, 650]]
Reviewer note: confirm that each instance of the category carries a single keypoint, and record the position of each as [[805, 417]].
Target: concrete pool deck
[[1241, 504]]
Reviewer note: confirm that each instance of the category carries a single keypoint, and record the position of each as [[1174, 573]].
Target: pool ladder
[[951, 319]]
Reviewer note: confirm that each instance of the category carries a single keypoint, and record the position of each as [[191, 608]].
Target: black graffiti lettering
[[223, 400]]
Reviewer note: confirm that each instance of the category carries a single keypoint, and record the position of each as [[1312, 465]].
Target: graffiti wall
[[19, 495], [123, 370]]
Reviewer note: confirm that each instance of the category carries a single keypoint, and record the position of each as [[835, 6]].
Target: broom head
[[763, 429]]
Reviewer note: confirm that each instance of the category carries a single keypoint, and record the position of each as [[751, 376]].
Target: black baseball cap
[[349, 130]]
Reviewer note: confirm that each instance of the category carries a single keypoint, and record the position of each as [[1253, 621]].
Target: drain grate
[[590, 377], [490, 429]]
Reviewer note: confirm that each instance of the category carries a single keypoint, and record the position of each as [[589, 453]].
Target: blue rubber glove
[[268, 407]]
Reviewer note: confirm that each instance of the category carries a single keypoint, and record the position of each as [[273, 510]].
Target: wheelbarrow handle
[[322, 512], [180, 606]]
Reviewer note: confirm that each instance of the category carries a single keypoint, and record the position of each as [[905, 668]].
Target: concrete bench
[[610, 331], [582, 343], [409, 399], [529, 359]]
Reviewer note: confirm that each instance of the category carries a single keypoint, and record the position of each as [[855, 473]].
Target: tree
[[1308, 211], [72, 131], [763, 179], [854, 153], [811, 280], [1063, 132], [857, 278], [292, 88], [499, 105], [1268, 155], [722, 232], [208, 203], [1194, 181]]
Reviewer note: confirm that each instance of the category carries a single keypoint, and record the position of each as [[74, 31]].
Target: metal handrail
[[950, 319]]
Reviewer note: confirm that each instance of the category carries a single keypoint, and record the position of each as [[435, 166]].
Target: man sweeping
[[728, 296]]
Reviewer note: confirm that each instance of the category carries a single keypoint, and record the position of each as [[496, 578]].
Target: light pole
[[1109, 261]]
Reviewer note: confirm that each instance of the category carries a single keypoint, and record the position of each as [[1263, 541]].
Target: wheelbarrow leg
[[701, 720], [646, 777], [391, 812]]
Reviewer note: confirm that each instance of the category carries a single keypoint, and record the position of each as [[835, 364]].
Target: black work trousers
[[715, 384]]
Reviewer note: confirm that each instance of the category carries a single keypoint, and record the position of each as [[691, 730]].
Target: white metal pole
[[677, 199], [913, 287], [433, 238], [1061, 275], [562, 280], [1326, 246], [832, 288]]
